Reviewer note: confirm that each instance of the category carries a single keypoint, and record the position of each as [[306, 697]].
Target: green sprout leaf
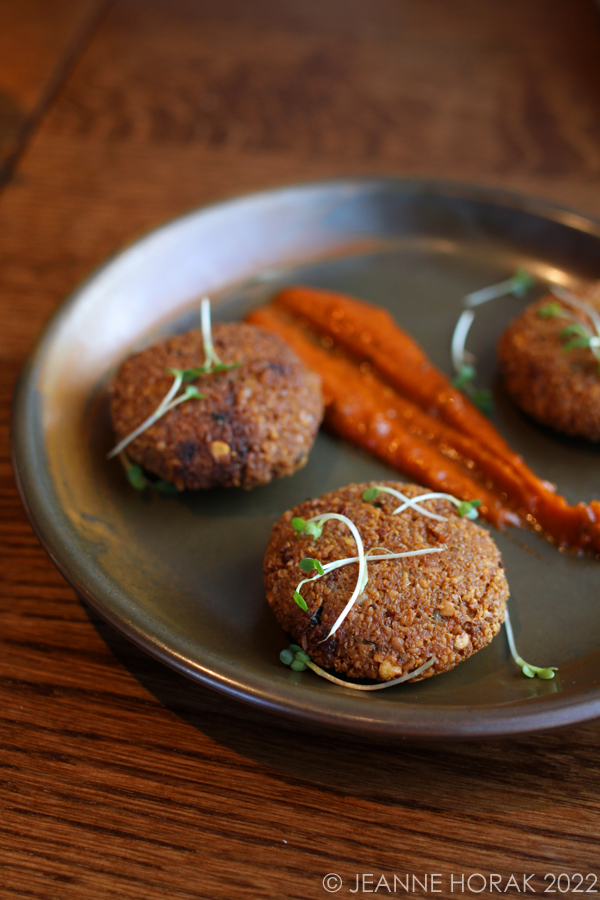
[[546, 673], [295, 658], [465, 376], [522, 282], [462, 360], [577, 342], [191, 393], [165, 487], [483, 401], [550, 311], [578, 335], [531, 671], [468, 508], [576, 329], [136, 478], [370, 494], [312, 529], [298, 666], [308, 565], [191, 374], [180, 374], [225, 367], [300, 601]]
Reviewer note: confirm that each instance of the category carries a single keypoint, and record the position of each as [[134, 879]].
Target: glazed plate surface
[[182, 576]]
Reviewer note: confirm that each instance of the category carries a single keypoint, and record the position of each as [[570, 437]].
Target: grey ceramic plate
[[182, 576]]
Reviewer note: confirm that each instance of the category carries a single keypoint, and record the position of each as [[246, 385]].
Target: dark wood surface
[[118, 778]]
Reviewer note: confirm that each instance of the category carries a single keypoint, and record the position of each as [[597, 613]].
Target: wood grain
[[119, 778], [38, 44]]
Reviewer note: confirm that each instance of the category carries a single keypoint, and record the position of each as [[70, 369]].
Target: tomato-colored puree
[[384, 394]]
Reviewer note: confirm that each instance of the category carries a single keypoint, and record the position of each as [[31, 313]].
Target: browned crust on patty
[[558, 389], [445, 605], [256, 423]]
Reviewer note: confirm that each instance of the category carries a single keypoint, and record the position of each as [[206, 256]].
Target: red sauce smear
[[384, 394]]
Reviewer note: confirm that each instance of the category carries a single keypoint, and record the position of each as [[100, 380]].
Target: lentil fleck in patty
[[560, 390], [256, 423], [444, 605]]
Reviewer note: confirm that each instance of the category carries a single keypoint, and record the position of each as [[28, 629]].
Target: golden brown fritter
[[444, 605], [256, 423], [558, 389]]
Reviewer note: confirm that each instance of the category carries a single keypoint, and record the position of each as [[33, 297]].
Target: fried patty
[[256, 423], [557, 389], [443, 605]]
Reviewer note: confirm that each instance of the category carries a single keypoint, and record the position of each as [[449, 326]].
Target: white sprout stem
[[338, 563], [568, 297], [369, 687], [163, 407], [545, 672], [362, 566], [125, 461], [511, 641], [210, 357], [413, 502], [461, 356], [433, 496], [476, 298]]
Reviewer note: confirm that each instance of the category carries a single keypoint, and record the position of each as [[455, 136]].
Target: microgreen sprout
[[551, 311], [522, 282], [462, 360], [136, 477], [310, 529], [311, 565], [527, 668], [570, 299], [483, 401], [298, 661], [295, 658], [138, 480], [466, 374], [211, 364], [467, 508], [577, 333], [518, 285], [301, 526], [299, 599], [169, 402], [360, 585], [372, 492], [314, 527]]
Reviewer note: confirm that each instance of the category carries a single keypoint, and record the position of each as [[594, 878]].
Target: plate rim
[[430, 722]]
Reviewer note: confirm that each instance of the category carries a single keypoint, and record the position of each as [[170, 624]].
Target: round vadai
[[444, 605], [556, 388], [256, 422]]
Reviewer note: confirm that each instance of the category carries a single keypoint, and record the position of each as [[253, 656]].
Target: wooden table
[[119, 778]]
